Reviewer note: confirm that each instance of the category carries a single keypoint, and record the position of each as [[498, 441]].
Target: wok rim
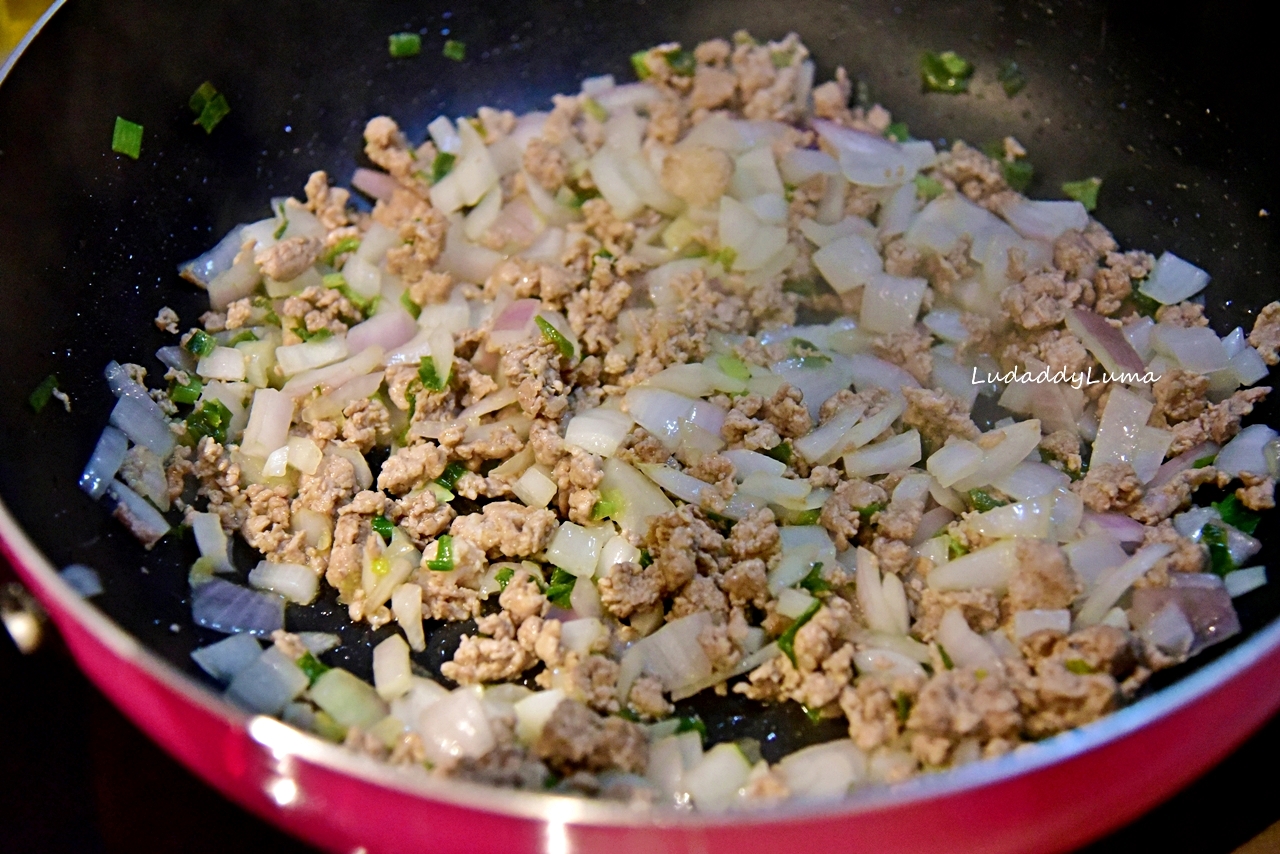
[[279, 739]]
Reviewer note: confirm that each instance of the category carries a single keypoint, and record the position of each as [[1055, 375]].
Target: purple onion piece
[[230, 608]]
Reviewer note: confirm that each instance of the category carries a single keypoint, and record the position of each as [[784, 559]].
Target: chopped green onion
[[560, 588], [902, 705], [200, 343], [449, 477], [555, 336], [284, 224], [946, 659], [1017, 173], [809, 517], [725, 256], [945, 72], [188, 392], [787, 640], [732, 366], [692, 723], [780, 452], [646, 559], [200, 98], [805, 287], [682, 62], [126, 138], [603, 509], [338, 282], [402, 45], [815, 360], [781, 58], [311, 666], [441, 165], [1143, 304], [1011, 78], [410, 306], [897, 132], [814, 715], [342, 247], [455, 50], [1215, 539], [209, 106], [870, 510], [639, 66], [1235, 514], [265, 304], [1085, 192], [431, 380], [929, 188], [210, 419], [1079, 666], [593, 108], [983, 501], [241, 337], [504, 576], [308, 336], [443, 561], [1204, 462], [383, 526], [39, 398], [814, 582], [955, 548]]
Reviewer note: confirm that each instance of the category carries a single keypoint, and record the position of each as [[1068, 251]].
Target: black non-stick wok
[[1167, 103]]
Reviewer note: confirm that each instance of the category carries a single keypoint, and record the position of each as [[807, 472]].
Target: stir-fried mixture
[[698, 383]]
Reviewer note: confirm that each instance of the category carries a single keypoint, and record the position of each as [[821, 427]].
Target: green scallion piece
[[1085, 192], [646, 559], [382, 526], [725, 257], [780, 452], [188, 392], [1143, 304], [732, 366], [682, 62], [1235, 514], [787, 640], [929, 188], [902, 706], [1017, 173], [431, 380], [241, 337], [955, 548], [897, 132], [945, 72], [409, 305], [870, 510], [311, 666], [809, 517], [555, 336], [1204, 462], [284, 223], [1215, 539], [342, 247], [1011, 78], [40, 397], [1079, 666], [308, 336], [443, 561], [560, 588], [593, 108], [213, 112], [455, 50], [504, 577], [946, 659], [126, 138], [814, 582], [200, 343], [441, 165], [639, 65], [402, 45], [200, 98], [449, 477], [210, 419], [692, 723], [983, 501]]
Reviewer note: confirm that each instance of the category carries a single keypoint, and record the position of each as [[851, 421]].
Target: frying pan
[[1162, 104]]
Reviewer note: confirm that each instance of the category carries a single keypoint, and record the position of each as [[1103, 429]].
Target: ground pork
[[980, 608], [1218, 422], [576, 739], [962, 703], [1265, 337], [1258, 493], [842, 512], [504, 528], [938, 416], [908, 349], [411, 467], [1109, 486], [1041, 300], [507, 766], [288, 259], [1180, 396], [1043, 579]]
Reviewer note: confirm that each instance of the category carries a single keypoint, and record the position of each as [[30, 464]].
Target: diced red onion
[[375, 184], [1105, 341], [1173, 280], [868, 159], [1112, 585], [108, 456], [1119, 526], [229, 608], [1181, 463], [336, 375], [1206, 607]]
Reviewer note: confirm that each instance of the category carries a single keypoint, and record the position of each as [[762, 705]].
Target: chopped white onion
[[535, 487], [848, 262], [1243, 581], [639, 499], [1173, 280], [108, 456], [295, 582], [576, 549], [296, 358], [1194, 348], [1105, 341], [266, 685], [141, 424], [388, 330], [348, 699], [964, 646], [714, 783], [143, 520], [1113, 584], [226, 658], [901, 451], [869, 159], [1045, 220], [823, 772], [891, 303], [269, 420], [1244, 453], [598, 431], [991, 567], [1035, 620], [406, 605], [533, 712], [391, 671]]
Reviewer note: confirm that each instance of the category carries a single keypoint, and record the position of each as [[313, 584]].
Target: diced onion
[[1173, 280], [141, 424], [901, 451], [391, 673], [348, 699], [295, 582], [533, 712], [1194, 348], [1045, 220], [1029, 622], [987, 567], [266, 685], [108, 456], [598, 431], [225, 659], [576, 549], [714, 782], [1105, 341], [1243, 581], [229, 608], [1245, 453], [848, 262], [1113, 584], [964, 646], [869, 159]]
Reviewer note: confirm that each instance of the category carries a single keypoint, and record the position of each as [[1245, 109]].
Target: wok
[[1161, 107]]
